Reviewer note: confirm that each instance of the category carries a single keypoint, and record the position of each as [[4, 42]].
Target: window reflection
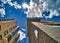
[[9, 38], [35, 31], [5, 33]]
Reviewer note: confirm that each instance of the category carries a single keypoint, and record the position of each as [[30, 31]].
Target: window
[[0, 37], [14, 27], [5, 33], [13, 33], [10, 29], [35, 31], [9, 38], [0, 27]]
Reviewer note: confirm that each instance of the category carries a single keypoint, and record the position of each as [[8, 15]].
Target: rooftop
[[5, 19]]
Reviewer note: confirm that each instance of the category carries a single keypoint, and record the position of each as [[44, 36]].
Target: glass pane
[[0, 37], [13, 33], [5, 33], [9, 38], [0, 27], [36, 32]]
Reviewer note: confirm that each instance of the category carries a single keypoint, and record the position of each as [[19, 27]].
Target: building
[[44, 32], [29, 20], [8, 31]]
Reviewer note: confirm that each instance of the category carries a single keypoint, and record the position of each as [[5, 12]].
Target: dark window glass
[[0, 27], [11, 29], [13, 33], [0, 37], [9, 38], [5, 33], [14, 27]]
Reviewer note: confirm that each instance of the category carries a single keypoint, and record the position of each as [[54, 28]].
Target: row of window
[[9, 38], [13, 33], [17, 39], [6, 32], [13, 27]]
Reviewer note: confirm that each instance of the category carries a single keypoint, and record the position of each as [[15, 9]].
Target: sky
[[21, 9]]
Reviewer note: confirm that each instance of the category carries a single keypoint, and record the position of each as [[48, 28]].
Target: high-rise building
[[44, 32], [8, 31], [29, 20]]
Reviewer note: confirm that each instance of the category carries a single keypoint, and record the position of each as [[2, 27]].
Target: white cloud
[[24, 5], [36, 11], [52, 14], [56, 13], [31, 3], [5, 1], [23, 29], [2, 12], [15, 4], [22, 35], [33, 10], [45, 6], [10, 3]]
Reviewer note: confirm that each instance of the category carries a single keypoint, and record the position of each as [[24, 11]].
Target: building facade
[[8, 31], [44, 32], [29, 25]]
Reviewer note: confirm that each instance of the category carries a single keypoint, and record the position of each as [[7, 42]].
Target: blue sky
[[17, 13]]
